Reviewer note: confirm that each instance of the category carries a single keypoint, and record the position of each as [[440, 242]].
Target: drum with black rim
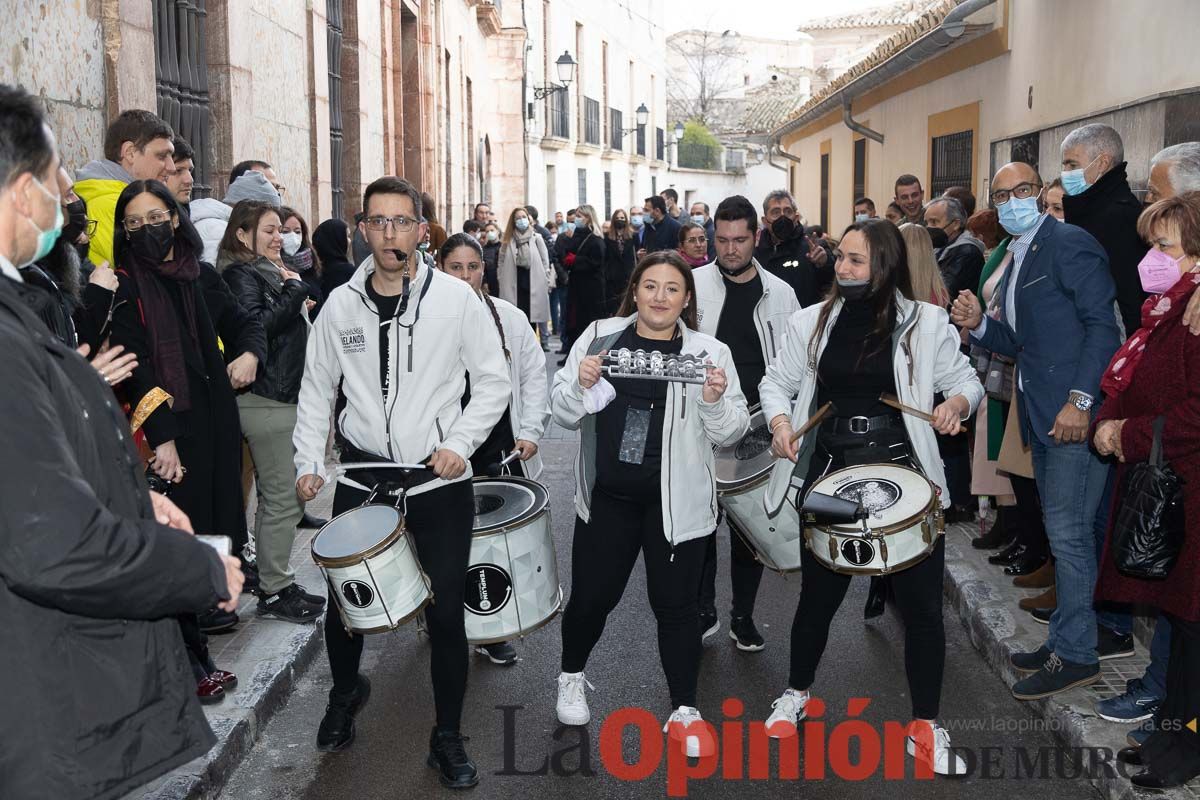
[[512, 586]]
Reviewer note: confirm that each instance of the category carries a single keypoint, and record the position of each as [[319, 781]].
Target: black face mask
[[939, 238], [783, 228], [853, 291], [151, 243], [76, 223], [619, 224]]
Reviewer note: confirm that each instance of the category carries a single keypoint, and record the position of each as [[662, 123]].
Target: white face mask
[[291, 243]]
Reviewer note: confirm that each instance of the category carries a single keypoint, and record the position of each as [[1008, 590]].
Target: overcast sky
[[756, 17]]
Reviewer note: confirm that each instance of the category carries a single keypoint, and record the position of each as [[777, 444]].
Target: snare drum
[[904, 522], [512, 584], [372, 568], [743, 470]]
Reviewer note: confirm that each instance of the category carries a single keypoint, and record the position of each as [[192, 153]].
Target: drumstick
[[813, 421], [890, 400]]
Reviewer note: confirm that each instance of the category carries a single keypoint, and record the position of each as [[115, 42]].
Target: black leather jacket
[[279, 311]]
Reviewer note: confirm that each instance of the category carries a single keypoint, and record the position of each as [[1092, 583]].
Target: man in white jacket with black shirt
[[400, 337], [746, 308]]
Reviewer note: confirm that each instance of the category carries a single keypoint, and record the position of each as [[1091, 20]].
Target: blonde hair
[[591, 215], [927, 283]]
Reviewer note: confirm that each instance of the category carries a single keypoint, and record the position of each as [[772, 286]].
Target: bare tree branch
[[711, 62]]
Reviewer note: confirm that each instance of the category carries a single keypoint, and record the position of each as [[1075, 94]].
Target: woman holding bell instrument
[[645, 476], [868, 339]]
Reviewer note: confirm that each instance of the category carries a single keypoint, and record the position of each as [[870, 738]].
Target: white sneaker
[[790, 709], [572, 705], [943, 760], [698, 742]]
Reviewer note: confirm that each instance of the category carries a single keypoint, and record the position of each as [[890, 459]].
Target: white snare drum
[[742, 473], [512, 582], [372, 568], [904, 522]]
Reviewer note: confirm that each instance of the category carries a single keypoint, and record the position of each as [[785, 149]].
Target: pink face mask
[[1158, 271]]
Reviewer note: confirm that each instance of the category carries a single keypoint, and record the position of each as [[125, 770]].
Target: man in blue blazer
[[1056, 319]]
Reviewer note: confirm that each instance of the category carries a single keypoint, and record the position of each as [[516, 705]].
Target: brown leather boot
[[1047, 599], [1041, 578]]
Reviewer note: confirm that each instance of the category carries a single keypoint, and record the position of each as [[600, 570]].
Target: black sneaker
[[309, 522], [217, 621], [501, 653], [449, 758], [309, 597], [1030, 662], [288, 604], [337, 726], [1110, 644], [1042, 615], [709, 624], [742, 631], [1055, 676]]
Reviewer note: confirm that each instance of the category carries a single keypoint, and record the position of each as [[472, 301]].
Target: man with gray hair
[[1099, 200], [960, 260], [785, 252], [1174, 170]]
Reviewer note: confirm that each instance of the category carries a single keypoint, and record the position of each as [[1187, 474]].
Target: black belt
[[861, 426]]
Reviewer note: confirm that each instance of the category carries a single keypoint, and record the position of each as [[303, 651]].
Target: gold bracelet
[[785, 421]]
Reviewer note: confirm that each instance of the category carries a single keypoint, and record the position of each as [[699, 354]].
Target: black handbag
[[1149, 529]]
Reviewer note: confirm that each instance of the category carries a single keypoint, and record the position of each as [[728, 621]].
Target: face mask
[[522, 224], [570, 230], [291, 243], [620, 224], [1073, 181], [853, 289], [76, 220], [423, 247], [1158, 271], [698, 219], [492, 236], [861, 217], [637, 220], [783, 228], [151, 243], [939, 237], [1019, 215], [46, 238]]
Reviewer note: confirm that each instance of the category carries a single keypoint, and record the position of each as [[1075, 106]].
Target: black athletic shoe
[[448, 756], [288, 604], [709, 624], [217, 621], [309, 522], [502, 653], [337, 726], [309, 597], [742, 631], [1110, 644]]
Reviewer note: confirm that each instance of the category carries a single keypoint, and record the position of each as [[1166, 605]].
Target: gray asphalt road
[[862, 660]]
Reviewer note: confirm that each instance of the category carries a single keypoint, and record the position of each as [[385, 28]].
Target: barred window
[[181, 80]]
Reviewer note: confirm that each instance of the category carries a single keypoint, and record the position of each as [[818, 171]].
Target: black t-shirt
[[500, 440], [612, 474], [387, 305], [736, 330], [854, 370]]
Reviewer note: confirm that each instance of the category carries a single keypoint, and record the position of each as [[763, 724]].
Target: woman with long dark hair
[[645, 481], [299, 256], [179, 393], [868, 338], [619, 252]]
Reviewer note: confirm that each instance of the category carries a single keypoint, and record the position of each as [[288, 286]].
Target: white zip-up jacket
[[771, 313], [692, 428], [445, 333], [529, 408], [926, 360]]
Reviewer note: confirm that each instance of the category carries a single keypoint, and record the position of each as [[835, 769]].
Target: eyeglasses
[[695, 240], [90, 227], [401, 223], [1021, 191], [156, 217]]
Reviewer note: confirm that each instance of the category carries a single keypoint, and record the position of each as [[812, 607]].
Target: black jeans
[[439, 522], [745, 574], [604, 553]]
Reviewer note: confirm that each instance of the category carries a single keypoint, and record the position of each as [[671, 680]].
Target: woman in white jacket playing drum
[[869, 338], [645, 480]]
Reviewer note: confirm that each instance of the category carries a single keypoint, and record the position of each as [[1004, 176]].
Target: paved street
[[862, 660]]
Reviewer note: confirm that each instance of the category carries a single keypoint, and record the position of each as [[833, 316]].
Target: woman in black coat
[[586, 293], [619, 259], [179, 393], [331, 241]]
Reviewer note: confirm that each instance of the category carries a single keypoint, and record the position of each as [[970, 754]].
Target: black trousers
[[439, 522], [603, 556], [1032, 530], [1173, 751], [745, 574]]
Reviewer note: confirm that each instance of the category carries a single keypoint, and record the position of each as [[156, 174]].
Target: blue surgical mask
[[571, 227], [636, 220], [861, 217], [698, 219], [46, 238], [522, 224], [1019, 215], [1073, 181]]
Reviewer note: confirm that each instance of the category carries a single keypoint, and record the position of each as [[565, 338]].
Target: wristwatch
[[1080, 401]]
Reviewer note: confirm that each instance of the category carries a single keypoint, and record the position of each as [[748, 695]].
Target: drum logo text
[[857, 551], [357, 594], [488, 589]]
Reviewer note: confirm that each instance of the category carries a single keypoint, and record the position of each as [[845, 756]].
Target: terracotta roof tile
[[887, 16]]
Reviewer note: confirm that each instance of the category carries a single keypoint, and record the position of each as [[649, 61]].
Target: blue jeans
[[1071, 481], [1155, 679], [558, 308], [1117, 619]]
